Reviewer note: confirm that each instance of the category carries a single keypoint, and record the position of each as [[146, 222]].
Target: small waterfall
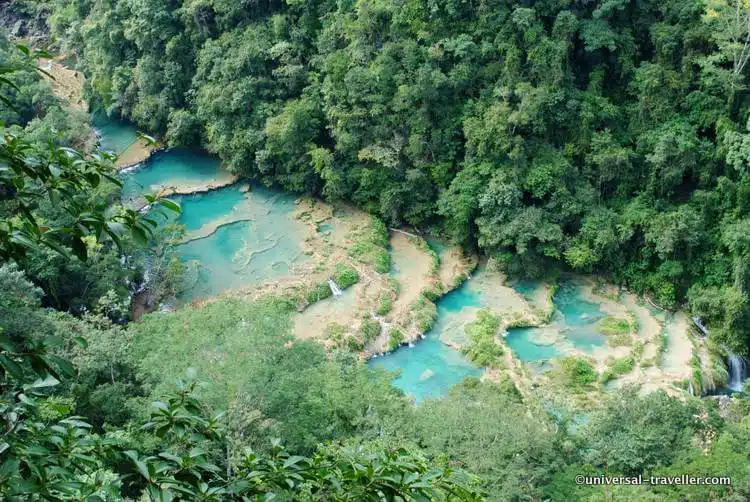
[[690, 388], [334, 287], [699, 323], [736, 370]]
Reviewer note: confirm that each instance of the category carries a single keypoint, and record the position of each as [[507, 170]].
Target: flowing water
[[736, 369], [430, 368], [239, 236]]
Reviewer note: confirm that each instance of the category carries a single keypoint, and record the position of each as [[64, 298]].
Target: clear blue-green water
[[235, 237], [577, 317], [437, 245], [325, 227], [527, 287], [431, 368], [525, 349], [203, 208], [245, 238], [114, 135], [238, 238], [176, 167]]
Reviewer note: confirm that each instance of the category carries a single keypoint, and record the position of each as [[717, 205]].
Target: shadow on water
[[114, 135], [176, 168]]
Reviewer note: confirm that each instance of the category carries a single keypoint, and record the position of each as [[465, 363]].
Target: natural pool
[[114, 135], [431, 368], [236, 236], [241, 238], [176, 168]]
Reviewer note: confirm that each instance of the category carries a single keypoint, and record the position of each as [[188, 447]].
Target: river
[[241, 235]]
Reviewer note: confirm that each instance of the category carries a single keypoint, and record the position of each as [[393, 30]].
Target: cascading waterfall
[[334, 287], [736, 370]]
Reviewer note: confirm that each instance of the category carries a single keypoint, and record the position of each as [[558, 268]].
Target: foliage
[[617, 368], [369, 329], [385, 303], [319, 291], [395, 338], [346, 275], [423, 313], [370, 246], [617, 330], [488, 430], [631, 434], [32, 174], [614, 326], [601, 137], [577, 373], [294, 385], [59, 458], [482, 348]]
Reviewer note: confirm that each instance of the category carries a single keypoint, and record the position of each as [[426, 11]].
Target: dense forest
[[605, 137]]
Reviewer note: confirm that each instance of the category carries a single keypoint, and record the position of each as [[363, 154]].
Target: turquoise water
[[235, 237], [114, 135], [243, 238], [527, 287], [525, 349], [431, 368], [577, 317], [437, 245], [203, 208], [176, 167]]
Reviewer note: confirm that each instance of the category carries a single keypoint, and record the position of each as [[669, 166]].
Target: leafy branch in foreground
[[60, 458], [31, 173]]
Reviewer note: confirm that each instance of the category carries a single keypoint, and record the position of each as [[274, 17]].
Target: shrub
[[614, 326], [353, 344], [617, 330], [385, 304], [394, 285], [395, 338], [335, 332], [346, 275], [370, 246], [320, 291], [382, 261], [617, 368], [577, 373], [482, 348], [424, 313], [379, 233], [638, 349], [369, 329]]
